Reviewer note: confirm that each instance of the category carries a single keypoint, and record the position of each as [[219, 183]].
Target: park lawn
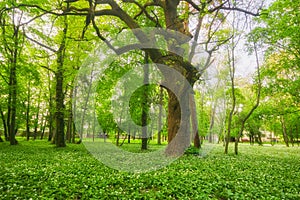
[[38, 170]]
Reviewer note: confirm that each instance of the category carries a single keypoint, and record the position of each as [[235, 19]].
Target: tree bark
[[212, 122], [194, 121], [284, 132], [70, 119], [178, 123], [51, 110], [232, 75], [59, 100], [12, 96], [43, 126], [36, 121], [160, 116], [145, 106], [27, 111], [85, 106], [174, 115], [4, 124]]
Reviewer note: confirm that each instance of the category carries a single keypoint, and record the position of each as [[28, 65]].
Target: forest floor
[[38, 170]]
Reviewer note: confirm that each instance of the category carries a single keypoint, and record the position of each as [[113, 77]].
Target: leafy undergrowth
[[37, 170]]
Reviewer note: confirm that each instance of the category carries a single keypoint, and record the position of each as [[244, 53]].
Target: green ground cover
[[37, 170]]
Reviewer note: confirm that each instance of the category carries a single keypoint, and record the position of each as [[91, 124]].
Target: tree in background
[[171, 15], [280, 35]]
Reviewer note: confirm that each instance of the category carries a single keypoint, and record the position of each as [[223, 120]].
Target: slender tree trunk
[[51, 128], [227, 137], [85, 106], [43, 126], [36, 121], [74, 117], [51, 110], [260, 143], [297, 132], [94, 125], [69, 127], [145, 106], [128, 139], [194, 121], [254, 107], [118, 137], [291, 136], [70, 119], [8, 114], [160, 116], [53, 134], [28, 110], [232, 76], [212, 122], [134, 134], [73, 133], [129, 134]]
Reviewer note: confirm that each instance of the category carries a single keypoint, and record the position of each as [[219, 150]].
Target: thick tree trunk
[[178, 106], [59, 75], [13, 90], [171, 14], [174, 115], [59, 114], [13, 106], [178, 124]]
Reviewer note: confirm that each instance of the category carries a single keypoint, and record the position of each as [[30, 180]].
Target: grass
[[38, 170]]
